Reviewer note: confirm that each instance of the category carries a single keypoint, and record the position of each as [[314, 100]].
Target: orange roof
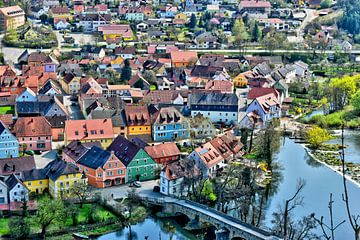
[[163, 150], [209, 154], [12, 11], [89, 129], [183, 56]]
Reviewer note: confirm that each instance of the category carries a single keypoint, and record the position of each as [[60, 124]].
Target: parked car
[[156, 189], [137, 184]]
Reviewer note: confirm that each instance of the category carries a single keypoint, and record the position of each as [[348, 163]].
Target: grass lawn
[[6, 110], [4, 228], [101, 212]]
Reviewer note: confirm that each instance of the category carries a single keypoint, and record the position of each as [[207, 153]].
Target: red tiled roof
[[32, 127], [255, 4], [137, 115], [183, 56], [258, 92], [163, 150], [89, 129]]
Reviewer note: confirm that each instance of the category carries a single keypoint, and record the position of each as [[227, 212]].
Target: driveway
[[73, 108], [43, 159]]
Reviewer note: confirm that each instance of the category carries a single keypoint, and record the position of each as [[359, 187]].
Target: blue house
[[170, 125], [9, 145]]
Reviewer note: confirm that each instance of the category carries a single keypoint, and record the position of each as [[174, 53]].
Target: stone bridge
[[227, 227]]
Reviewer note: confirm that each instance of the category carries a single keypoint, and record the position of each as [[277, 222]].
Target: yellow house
[[241, 80], [70, 83], [181, 16], [57, 177], [62, 176], [36, 180], [117, 31], [138, 120]]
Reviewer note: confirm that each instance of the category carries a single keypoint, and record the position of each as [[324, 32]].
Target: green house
[[139, 165]]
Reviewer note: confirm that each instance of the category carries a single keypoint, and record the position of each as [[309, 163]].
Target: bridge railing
[[212, 210]]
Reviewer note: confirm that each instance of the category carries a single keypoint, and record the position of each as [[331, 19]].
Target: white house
[[17, 190], [262, 110], [3, 193], [172, 177], [61, 23], [207, 159]]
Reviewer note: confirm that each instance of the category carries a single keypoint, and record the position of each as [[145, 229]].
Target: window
[[29, 183], [67, 184], [99, 175], [109, 165], [120, 171], [61, 184], [76, 133], [93, 132], [40, 182], [101, 131]]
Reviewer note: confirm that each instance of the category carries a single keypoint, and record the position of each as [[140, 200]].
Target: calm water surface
[[295, 163], [320, 182]]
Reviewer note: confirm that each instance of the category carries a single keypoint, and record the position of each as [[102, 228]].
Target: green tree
[[19, 228], [355, 100], [126, 71], [326, 3], [81, 191], [208, 191], [239, 31], [316, 136], [149, 76], [256, 33], [192, 23], [341, 89], [49, 211]]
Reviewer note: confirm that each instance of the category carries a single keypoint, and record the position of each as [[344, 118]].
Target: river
[[320, 182], [296, 164]]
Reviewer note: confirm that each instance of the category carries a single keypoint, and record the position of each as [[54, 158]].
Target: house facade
[[170, 125], [218, 107], [9, 145], [33, 133], [102, 168], [139, 165]]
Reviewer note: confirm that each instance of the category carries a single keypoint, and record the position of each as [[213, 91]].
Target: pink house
[[33, 133]]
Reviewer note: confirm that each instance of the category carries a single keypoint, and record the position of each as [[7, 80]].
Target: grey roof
[[12, 180], [94, 158], [59, 167], [205, 98], [116, 116], [124, 149]]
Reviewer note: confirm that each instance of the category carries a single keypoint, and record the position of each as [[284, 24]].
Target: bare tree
[[325, 227], [353, 219]]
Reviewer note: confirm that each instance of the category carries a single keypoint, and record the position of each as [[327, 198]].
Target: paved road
[[121, 191], [311, 14]]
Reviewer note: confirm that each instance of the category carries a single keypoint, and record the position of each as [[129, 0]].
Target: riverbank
[[337, 169]]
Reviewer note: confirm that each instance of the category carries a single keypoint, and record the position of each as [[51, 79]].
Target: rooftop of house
[[168, 115], [94, 158], [181, 168], [12, 11], [184, 56], [137, 115], [163, 150], [16, 165], [76, 149], [89, 129], [213, 98], [124, 149], [32, 127], [209, 155]]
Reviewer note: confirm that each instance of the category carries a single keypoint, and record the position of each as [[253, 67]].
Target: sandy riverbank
[[336, 169]]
